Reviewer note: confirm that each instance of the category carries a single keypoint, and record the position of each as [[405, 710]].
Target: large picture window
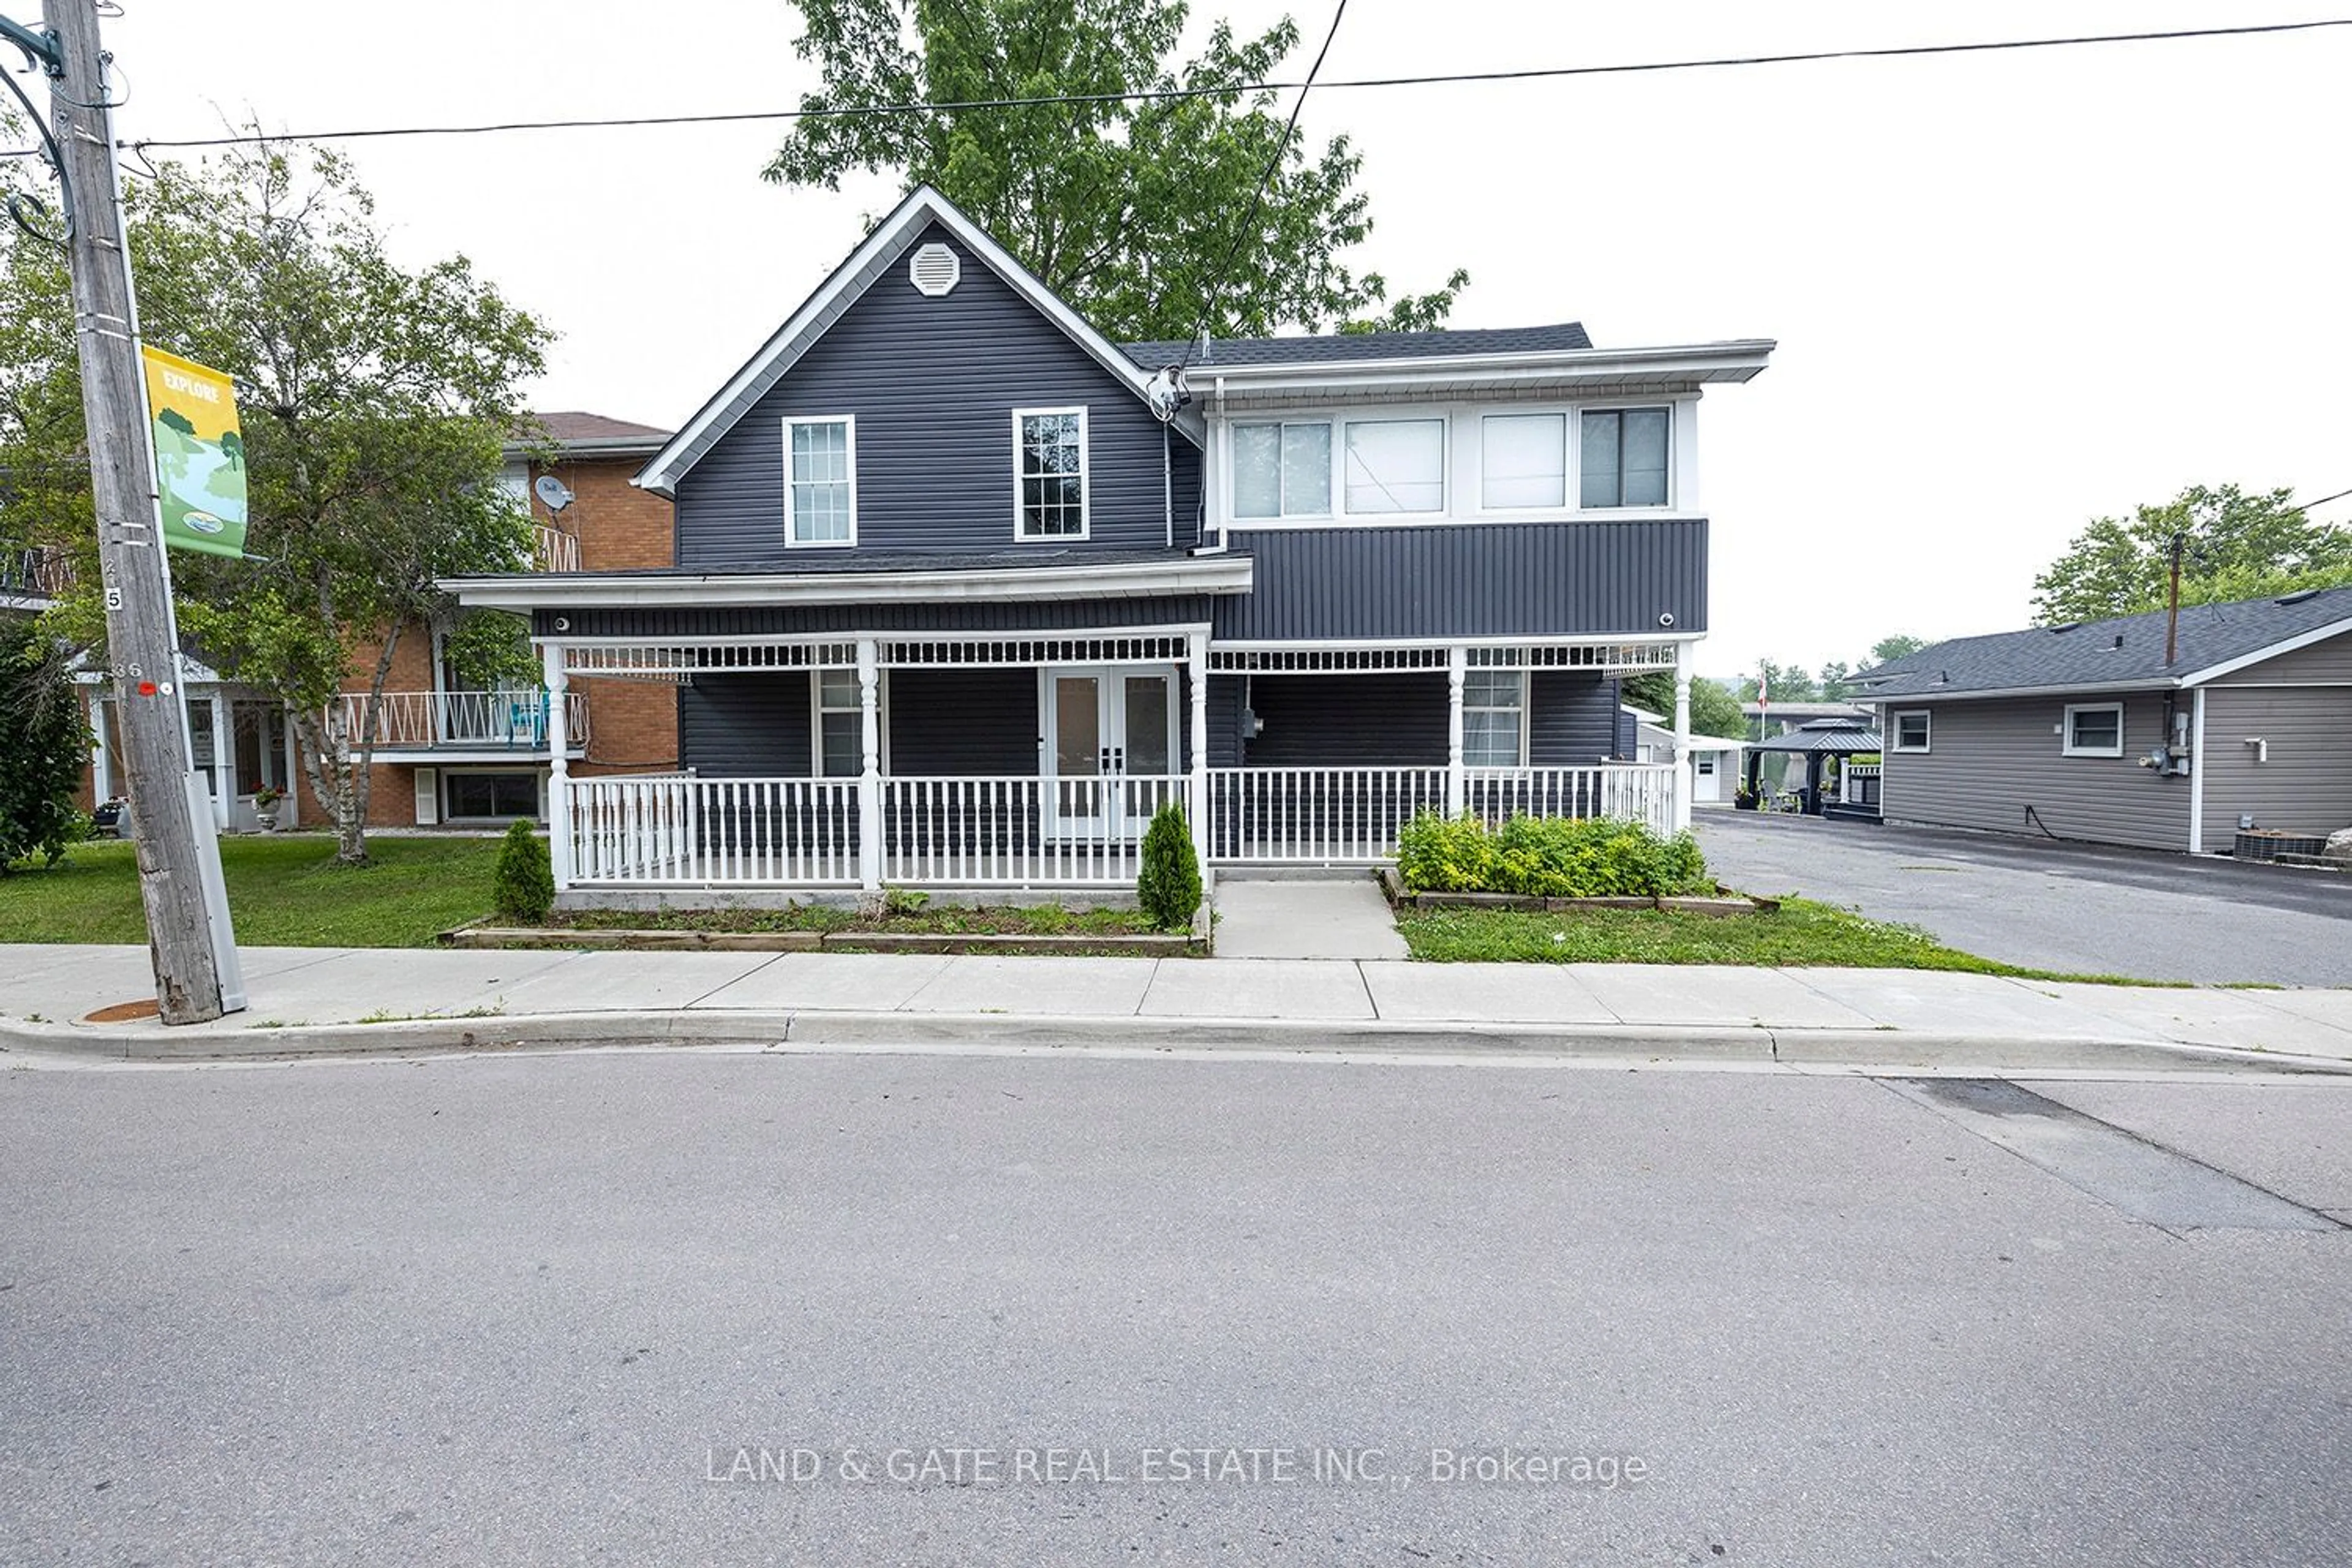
[[1494, 719], [1282, 471], [1395, 466], [1049, 457], [1623, 455], [821, 487], [1523, 461], [485, 796]]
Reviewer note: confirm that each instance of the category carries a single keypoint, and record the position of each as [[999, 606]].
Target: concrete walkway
[[343, 1000], [1302, 919]]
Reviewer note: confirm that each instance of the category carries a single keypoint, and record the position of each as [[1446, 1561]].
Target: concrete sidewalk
[[356, 1000]]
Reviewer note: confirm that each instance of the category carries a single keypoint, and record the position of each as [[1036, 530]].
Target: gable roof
[[875, 255], [1349, 347], [2122, 651]]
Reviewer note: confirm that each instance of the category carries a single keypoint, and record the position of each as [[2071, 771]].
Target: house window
[[1395, 466], [1049, 458], [1282, 471], [486, 795], [821, 492], [840, 720], [1911, 730], [1523, 461], [1624, 457], [1494, 719], [2094, 729]]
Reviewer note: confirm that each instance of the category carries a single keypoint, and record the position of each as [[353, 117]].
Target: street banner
[[199, 454]]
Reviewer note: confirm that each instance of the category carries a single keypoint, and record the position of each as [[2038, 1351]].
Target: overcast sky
[[2011, 291]]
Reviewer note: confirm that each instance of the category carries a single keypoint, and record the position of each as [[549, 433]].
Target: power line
[[1152, 95], [1257, 197]]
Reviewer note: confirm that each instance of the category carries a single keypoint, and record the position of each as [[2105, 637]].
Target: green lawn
[[284, 890], [1800, 932]]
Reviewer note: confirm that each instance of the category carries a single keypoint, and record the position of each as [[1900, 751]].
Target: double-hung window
[[1623, 457], [840, 725], [1523, 461], [1049, 473], [1282, 471], [1494, 719], [1912, 730], [1395, 466], [2094, 729], [821, 481]]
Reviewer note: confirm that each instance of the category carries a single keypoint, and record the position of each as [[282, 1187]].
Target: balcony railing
[[35, 572], [553, 550], [424, 720]]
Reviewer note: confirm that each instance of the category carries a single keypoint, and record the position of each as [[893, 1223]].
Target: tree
[[172, 419], [1788, 682], [43, 747], [376, 401], [2238, 546], [1126, 208], [1887, 650], [1713, 710]]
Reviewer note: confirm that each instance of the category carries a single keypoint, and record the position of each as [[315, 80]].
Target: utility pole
[[171, 809], [2172, 603]]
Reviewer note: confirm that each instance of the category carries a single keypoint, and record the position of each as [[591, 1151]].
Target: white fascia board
[[1225, 574], [1891, 700], [847, 282], [2284, 645], [1736, 361]]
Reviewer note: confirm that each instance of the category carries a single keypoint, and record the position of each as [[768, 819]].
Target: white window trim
[[1331, 426], [817, 711], [1443, 419], [2066, 735], [1894, 730], [849, 423], [1469, 708], [1086, 480], [1673, 406]]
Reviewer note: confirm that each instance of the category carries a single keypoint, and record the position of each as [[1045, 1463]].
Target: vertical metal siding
[[933, 384], [1990, 760], [1472, 580], [2305, 786], [778, 620]]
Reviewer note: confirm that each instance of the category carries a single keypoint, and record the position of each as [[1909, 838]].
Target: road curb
[[814, 1030]]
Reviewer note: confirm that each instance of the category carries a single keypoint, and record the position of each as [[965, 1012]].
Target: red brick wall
[[632, 724]]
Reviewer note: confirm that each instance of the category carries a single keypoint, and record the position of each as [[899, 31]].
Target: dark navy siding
[[1572, 719], [963, 721], [960, 616], [933, 384], [1334, 720], [1532, 579], [745, 726], [1629, 729]]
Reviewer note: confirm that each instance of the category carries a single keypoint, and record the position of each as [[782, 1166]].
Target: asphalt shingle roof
[[1343, 347], [2128, 650]]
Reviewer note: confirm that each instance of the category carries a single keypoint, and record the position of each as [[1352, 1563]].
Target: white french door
[[1108, 731]]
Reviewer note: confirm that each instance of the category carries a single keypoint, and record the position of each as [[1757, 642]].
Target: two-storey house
[[962, 590]]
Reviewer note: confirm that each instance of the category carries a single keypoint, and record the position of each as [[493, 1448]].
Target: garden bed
[[1723, 901], [807, 928]]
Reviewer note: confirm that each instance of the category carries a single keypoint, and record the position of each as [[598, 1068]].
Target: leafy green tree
[[2239, 546], [1887, 650], [1126, 208], [43, 747], [1789, 683], [1713, 710], [376, 400]]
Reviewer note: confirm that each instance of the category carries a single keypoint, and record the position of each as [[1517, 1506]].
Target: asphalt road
[[2081, 909], [542, 1310]]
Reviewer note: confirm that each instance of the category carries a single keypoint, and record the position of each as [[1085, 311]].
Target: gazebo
[[1816, 741]]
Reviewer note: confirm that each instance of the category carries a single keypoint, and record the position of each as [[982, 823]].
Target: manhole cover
[[125, 1012]]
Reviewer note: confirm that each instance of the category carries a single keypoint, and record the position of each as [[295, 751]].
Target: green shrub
[[1549, 858], [1168, 886], [524, 891]]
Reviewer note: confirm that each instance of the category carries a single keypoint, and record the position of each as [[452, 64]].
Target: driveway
[[2048, 905]]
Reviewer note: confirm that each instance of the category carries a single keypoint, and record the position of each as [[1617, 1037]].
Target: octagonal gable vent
[[934, 271]]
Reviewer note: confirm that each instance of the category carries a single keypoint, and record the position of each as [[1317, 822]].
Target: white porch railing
[[713, 832], [1316, 817], [417, 721], [1019, 831], [1858, 784], [1641, 791]]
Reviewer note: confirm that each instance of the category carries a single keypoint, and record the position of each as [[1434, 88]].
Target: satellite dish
[[551, 491], [1166, 391]]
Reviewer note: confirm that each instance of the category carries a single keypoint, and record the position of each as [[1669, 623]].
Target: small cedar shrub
[[524, 891], [1168, 886], [1550, 857]]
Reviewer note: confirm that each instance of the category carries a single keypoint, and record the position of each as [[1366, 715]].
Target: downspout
[[1167, 485]]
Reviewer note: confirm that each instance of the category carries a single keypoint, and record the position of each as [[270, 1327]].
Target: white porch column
[[559, 765], [102, 773], [1198, 650], [223, 759], [1457, 670], [869, 775], [1679, 809]]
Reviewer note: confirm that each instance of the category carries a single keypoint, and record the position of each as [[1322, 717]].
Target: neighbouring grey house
[[2088, 731], [962, 590]]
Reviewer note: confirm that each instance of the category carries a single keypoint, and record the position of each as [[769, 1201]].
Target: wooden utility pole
[[171, 811], [2172, 603]]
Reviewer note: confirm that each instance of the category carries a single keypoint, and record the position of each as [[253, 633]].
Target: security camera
[[1666, 618]]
